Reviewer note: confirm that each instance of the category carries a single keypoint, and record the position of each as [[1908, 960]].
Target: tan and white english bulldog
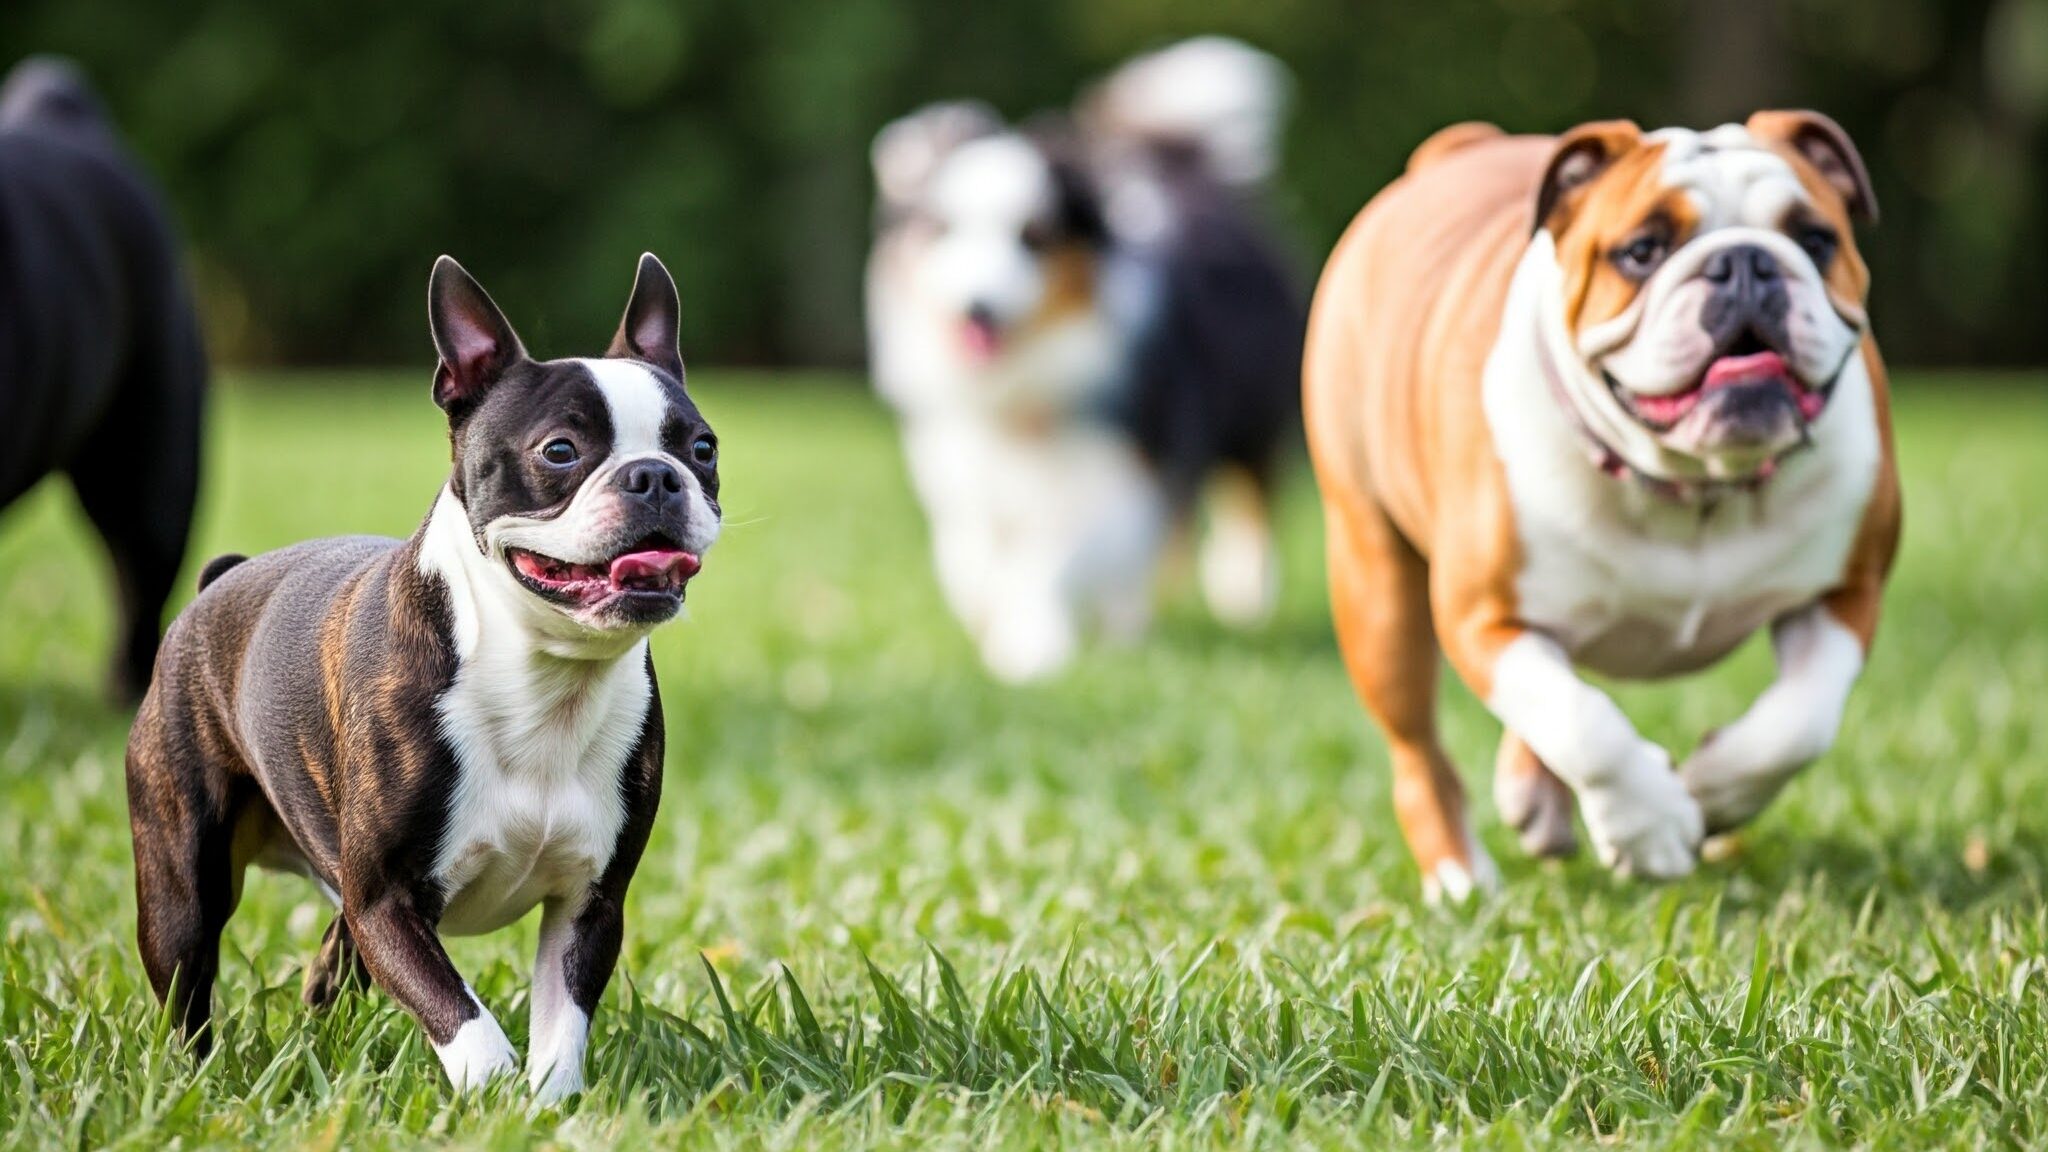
[[1607, 401]]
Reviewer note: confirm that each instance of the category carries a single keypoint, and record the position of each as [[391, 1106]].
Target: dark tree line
[[320, 155]]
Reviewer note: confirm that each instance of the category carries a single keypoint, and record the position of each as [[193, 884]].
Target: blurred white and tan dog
[[1081, 326], [1609, 400]]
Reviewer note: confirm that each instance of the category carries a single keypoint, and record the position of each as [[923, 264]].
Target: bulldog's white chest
[[536, 810], [1634, 584]]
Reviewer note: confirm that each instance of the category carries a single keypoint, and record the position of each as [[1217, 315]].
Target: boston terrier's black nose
[[651, 480]]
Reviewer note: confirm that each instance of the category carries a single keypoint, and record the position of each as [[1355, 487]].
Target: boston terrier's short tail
[[217, 567]]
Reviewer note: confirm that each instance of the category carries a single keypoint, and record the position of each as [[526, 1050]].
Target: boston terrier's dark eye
[[1037, 236], [560, 452], [704, 450]]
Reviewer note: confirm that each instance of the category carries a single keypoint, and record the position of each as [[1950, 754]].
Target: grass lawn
[[1161, 902]]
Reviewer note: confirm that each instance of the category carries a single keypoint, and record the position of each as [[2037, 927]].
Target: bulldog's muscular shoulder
[[1404, 316]]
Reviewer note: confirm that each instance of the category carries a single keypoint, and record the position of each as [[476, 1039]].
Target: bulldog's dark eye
[[559, 452], [1819, 241], [1036, 237], [1640, 256], [704, 450]]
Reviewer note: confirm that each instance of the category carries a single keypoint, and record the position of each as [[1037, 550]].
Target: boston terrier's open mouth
[[652, 567]]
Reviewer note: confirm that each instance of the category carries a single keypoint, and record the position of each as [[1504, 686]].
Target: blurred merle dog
[[100, 354], [1081, 324]]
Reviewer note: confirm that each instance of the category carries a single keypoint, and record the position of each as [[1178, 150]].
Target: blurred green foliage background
[[320, 155]]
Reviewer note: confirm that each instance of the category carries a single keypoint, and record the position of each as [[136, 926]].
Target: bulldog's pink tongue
[[655, 570], [1745, 370]]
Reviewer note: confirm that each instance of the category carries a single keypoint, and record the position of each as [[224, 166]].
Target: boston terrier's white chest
[[535, 812]]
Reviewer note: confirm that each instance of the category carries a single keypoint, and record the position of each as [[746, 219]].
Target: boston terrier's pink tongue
[[655, 570]]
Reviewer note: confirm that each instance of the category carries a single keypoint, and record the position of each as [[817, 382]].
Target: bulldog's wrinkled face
[[1709, 286], [591, 483], [994, 237]]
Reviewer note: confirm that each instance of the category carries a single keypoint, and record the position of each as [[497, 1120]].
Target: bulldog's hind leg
[[1379, 595], [1533, 800], [182, 810]]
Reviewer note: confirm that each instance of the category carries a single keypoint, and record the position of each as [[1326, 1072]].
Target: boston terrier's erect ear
[[476, 343], [647, 332]]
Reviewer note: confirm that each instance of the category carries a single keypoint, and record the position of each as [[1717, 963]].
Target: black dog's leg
[[137, 477], [404, 955]]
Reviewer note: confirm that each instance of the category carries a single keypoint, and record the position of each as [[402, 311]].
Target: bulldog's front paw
[[478, 1054], [1729, 789], [1643, 821]]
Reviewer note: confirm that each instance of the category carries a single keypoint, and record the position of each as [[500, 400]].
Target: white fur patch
[[1224, 94], [541, 728], [558, 1030], [478, 1053], [1037, 536], [1239, 573], [1741, 768], [1641, 819], [1454, 883], [638, 405]]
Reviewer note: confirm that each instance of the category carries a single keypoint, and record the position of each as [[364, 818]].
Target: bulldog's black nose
[[1742, 265], [652, 480], [982, 313], [1747, 298]]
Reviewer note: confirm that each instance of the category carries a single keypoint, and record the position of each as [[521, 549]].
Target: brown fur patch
[[1619, 204], [1445, 141], [1856, 601], [1069, 286]]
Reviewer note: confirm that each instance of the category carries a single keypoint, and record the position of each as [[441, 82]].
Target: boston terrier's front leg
[[400, 947], [580, 937], [578, 948]]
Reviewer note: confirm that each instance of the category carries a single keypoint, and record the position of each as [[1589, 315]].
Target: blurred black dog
[[101, 368]]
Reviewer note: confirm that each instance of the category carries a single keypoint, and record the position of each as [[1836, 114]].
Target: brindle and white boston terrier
[[445, 731]]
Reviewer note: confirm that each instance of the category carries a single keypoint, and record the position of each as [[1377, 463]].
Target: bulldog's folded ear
[[1818, 140], [475, 341], [648, 331], [1582, 154], [907, 151]]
